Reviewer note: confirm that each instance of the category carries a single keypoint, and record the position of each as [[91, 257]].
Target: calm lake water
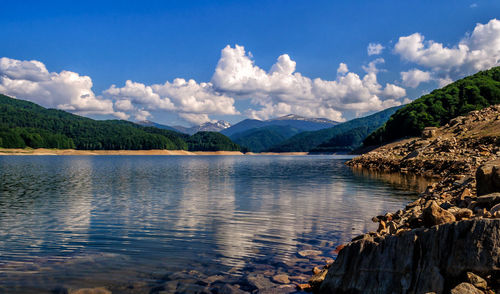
[[134, 224]]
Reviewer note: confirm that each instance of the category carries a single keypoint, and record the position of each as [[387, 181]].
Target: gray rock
[[260, 282], [466, 288], [417, 261], [488, 178], [229, 289], [308, 253], [282, 289], [282, 279]]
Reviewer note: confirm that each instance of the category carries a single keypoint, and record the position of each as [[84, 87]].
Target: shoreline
[[51, 152], [447, 239]]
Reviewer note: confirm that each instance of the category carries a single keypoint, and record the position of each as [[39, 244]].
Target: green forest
[[437, 108], [342, 137], [261, 139], [26, 124]]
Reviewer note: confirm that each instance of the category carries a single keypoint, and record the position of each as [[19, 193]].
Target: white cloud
[[195, 118], [374, 49], [282, 90], [343, 69], [414, 77], [473, 5], [479, 50], [65, 90], [192, 101]]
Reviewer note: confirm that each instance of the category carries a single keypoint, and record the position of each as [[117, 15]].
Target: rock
[[98, 290], [382, 228], [495, 208], [488, 200], [418, 261], [488, 178], [466, 288], [281, 278], [229, 289], [281, 289], [477, 281], [214, 278], [465, 193], [304, 287], [189, 288], [462, 213], [260, 282], [316, 270], [429, 132], [307, 253], [318, 278], [392, 228], [435, 215]]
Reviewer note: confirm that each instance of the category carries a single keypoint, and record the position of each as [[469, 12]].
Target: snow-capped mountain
[[205, 127], [211, 126]]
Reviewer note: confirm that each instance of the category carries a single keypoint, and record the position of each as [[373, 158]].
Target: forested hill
[[340, 138], [26, 124], [440, 106]]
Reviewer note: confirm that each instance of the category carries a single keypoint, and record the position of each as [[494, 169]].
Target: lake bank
[[446, 240], [45, 151]]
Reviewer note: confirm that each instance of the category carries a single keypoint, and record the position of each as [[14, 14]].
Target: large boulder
[[418, 261], [488, 178]]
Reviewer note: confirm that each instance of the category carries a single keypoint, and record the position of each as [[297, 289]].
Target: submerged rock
[[98, 290]]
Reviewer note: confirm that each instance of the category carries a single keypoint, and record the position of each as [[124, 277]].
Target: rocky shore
[[448, 240]]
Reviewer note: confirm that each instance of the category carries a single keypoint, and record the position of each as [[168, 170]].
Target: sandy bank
[[44, 151], [280, 153]]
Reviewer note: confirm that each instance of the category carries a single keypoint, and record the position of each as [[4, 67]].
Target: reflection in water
[[68, 220], [409, 182]]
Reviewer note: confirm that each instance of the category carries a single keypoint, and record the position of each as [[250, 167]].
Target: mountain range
[[205, 127], [26, 124]]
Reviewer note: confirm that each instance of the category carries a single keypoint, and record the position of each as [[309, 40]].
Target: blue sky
[[152, 42]]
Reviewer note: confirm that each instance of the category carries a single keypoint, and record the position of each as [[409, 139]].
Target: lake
[[146, 224]]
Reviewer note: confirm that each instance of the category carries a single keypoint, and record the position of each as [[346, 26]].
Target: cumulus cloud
[[477, 51], [65, 90], [282, 90], [374, 49], [192, 101], [342, 69], [414, 77]]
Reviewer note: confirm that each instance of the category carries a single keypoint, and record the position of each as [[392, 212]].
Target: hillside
[[448, 237], [260, 139], [26, 124], [211, 141], [147, 123], [344, 142], [293, 121], [307, 141], [437, 108]]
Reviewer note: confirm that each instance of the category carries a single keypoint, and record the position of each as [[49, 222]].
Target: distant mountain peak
[[205, 127], [292, 116], [212, 126]]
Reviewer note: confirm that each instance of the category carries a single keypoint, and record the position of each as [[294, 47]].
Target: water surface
[[130, 223]]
